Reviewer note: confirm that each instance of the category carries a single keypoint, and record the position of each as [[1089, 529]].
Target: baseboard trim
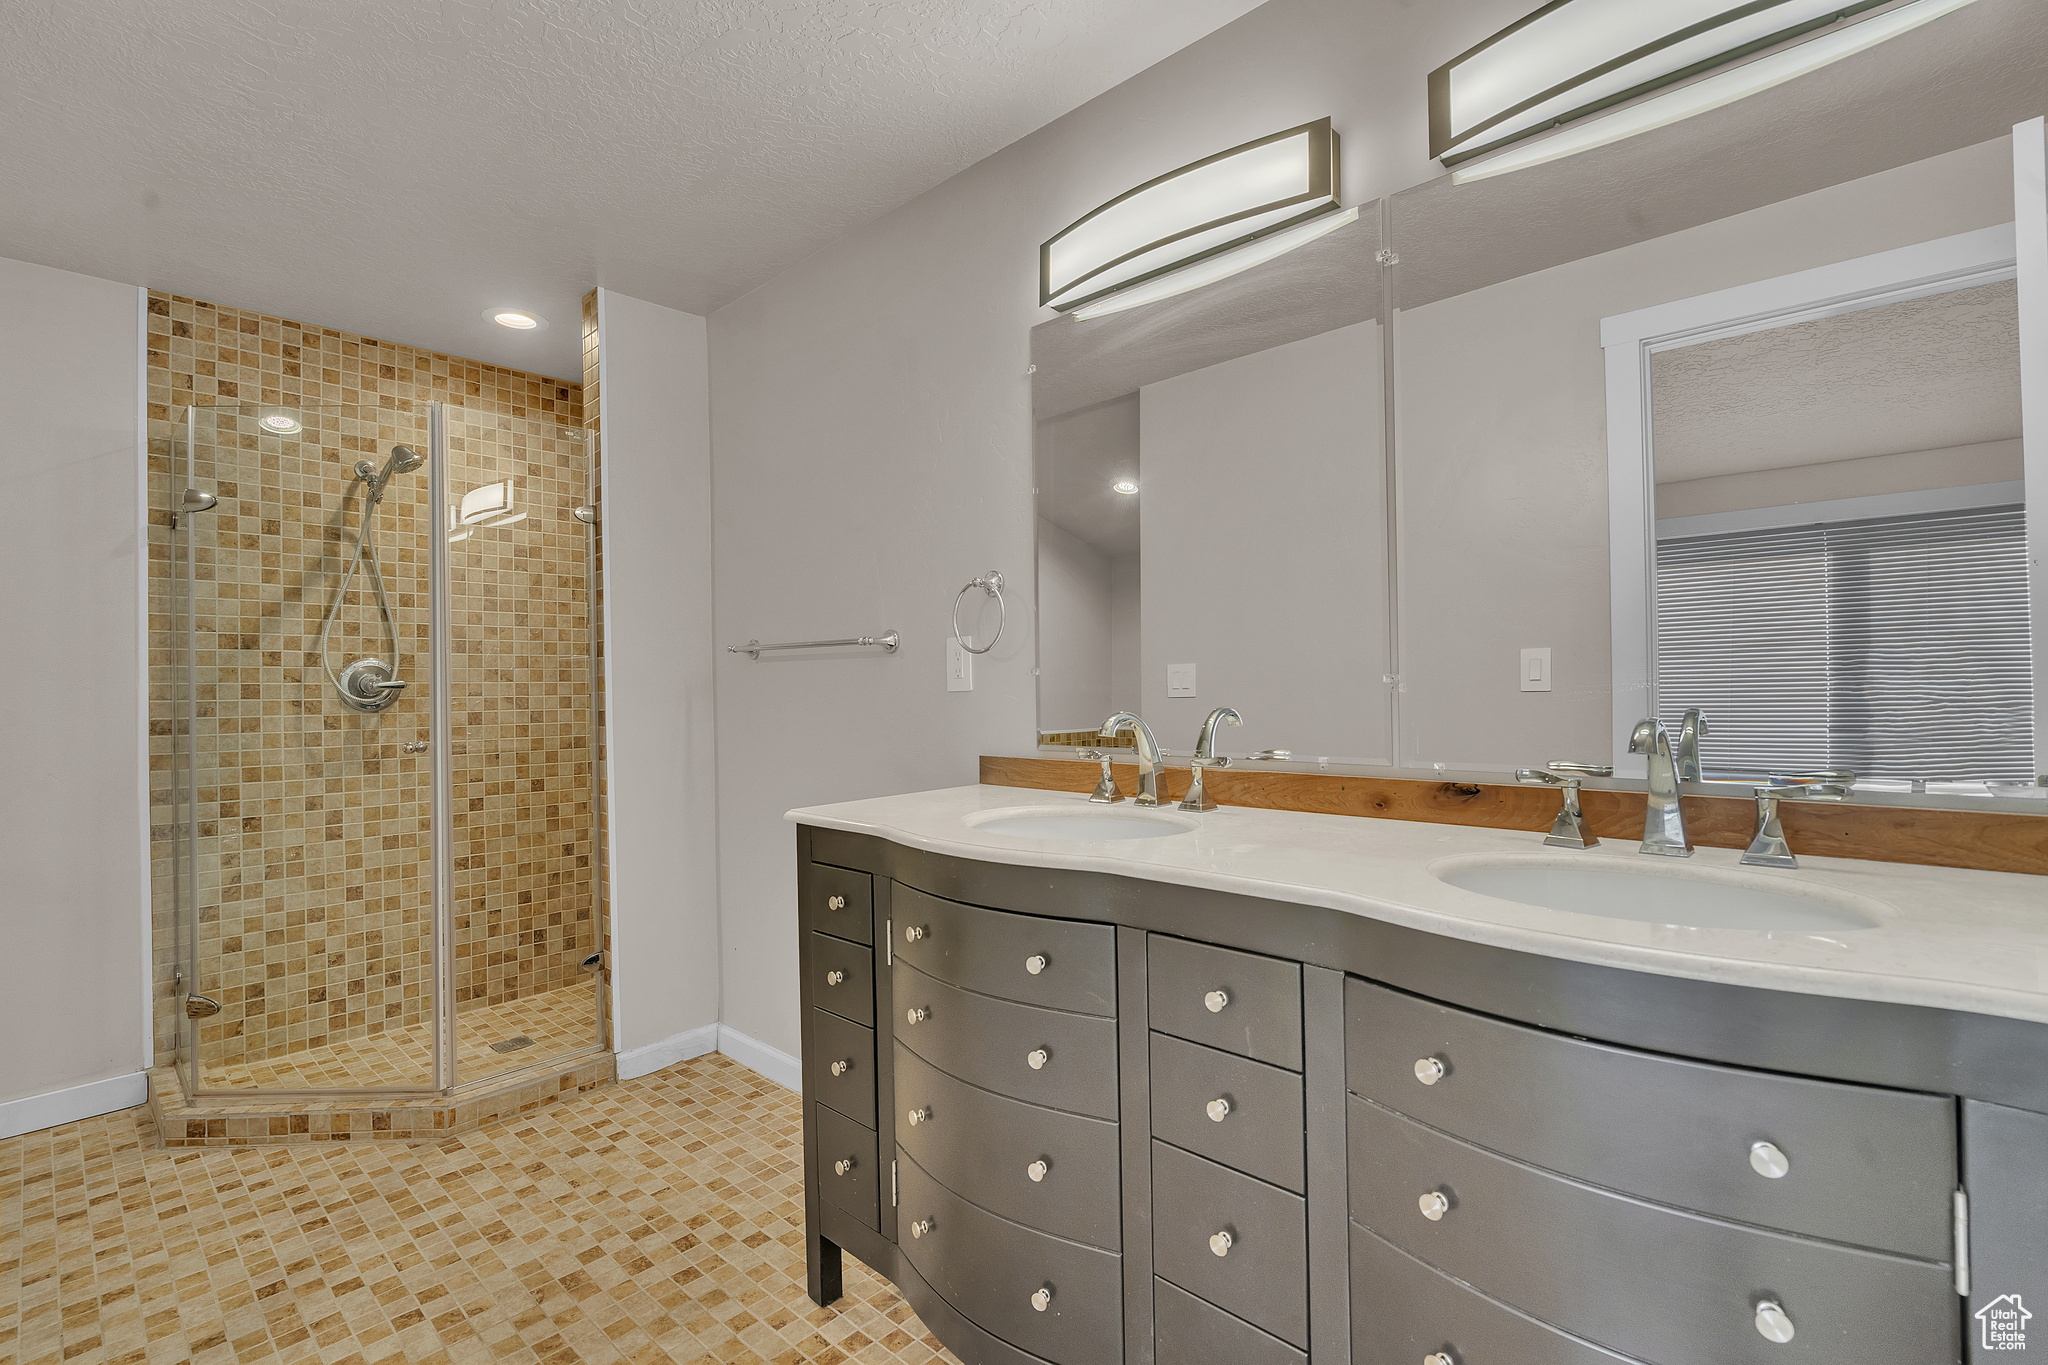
[[680, 1047], [755, 1055], [33, 1113]]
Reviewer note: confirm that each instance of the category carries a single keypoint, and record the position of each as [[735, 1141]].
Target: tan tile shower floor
[[660, 1219], [559, 1021]]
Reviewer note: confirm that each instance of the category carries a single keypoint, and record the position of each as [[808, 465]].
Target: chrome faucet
[[1569, 829], [1148, 753], [1663, 819], [1770, 848], [1105, 792], [1690, 727], [1205, 758]]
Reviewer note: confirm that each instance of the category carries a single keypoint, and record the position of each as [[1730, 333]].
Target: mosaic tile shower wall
[[314, 878]]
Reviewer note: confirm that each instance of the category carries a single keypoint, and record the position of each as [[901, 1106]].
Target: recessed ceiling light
[[1125, 486], [517, 320], [283, 423]]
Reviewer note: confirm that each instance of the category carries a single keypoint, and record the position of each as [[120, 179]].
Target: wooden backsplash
[[1997, 841]]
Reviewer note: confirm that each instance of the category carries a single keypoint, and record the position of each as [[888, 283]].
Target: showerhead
[[405, 459]]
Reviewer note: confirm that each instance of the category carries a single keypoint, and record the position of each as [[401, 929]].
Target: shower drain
[[512, 1044]]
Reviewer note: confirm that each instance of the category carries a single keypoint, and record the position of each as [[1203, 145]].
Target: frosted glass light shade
[[1211, 206], [1574, 57]]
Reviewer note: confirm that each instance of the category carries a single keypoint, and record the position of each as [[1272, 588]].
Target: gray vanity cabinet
[[1091, 1120]]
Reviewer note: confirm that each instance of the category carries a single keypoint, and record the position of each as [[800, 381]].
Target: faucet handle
[[1832, 785], [1105, 792], [1565, 765], [1569, 830], [1538, 777]]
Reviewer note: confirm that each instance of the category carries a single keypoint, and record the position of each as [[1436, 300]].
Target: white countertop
[[1949, 938]]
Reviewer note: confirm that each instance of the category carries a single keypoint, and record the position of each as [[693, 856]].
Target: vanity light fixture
[[1219, 267], [1204, 212], [1573, 58], [1125, 486], [515, 319], [279, 423]]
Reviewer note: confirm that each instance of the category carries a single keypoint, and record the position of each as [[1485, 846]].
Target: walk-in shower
[[377, 742]]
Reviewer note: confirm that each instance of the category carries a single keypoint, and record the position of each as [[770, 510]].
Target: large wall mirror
[[1725, 416]]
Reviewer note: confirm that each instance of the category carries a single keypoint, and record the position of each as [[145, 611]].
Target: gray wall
[[1073, 630], [72, 808]]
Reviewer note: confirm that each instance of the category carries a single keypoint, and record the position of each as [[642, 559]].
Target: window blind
[[1893, 647]]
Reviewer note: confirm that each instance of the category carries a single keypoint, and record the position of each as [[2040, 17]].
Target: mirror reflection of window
[[1841, 558]]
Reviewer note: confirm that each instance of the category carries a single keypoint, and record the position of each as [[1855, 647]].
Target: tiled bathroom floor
[[660, 1219], [558, 1021]]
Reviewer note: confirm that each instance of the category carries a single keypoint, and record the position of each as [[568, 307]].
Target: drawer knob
[[835, 902], [1767, 1161], [1216, 1000], [843, 1165], [1036, 1170], [912, 933], [1438, 1358], [1041, 1299], [1038, 1057], [1219, 1109], [917, 1116], [1429, 1070], [1434, 1205], [916, 1014], [1772, 1324], [920, 1227], [1220, 1243], [834, 978], [1035, 964], [840, 1068]]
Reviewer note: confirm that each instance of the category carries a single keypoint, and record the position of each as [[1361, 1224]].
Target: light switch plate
[[959, 664], [1180, 680], [1536, 669]]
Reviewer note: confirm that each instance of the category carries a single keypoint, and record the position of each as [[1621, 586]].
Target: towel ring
[[992, 584]]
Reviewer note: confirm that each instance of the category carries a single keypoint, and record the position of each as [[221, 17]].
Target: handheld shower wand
[[369, 684]]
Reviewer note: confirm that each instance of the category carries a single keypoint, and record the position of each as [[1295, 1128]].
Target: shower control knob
[[841, 1068], [1767, 1161], [917, 1116], [917, 1014], [1042, 1299], [1038, 1057], [843, 1165], [833, 978], [835, 902], [1434, 1205], [1036, 1170], [1429, 1070], [1035, 963], [1218, 1109], [1772, 1324], [920, 1227], [1221, 1243], [1216, 1000], [913, 933]]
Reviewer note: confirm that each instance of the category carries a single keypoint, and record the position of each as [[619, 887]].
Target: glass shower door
[[300, 606]]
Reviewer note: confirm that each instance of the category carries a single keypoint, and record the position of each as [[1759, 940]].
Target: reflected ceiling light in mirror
[[1204, 210], [1631, 73], [1219, 267], [1124, 486]]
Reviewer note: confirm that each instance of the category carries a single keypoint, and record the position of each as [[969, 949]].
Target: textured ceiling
[[395, 167], [1927, 374]]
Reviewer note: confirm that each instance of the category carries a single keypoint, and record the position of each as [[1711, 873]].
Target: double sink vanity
[[1096, 1083]]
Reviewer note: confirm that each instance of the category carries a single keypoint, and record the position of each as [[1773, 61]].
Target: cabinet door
[[843, 978], [1261, 1273]]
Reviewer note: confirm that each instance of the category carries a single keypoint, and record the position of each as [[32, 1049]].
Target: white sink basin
[[1089, 825], [1693, 897]]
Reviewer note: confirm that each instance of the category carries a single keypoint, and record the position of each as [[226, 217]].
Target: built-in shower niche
[[376, 741]]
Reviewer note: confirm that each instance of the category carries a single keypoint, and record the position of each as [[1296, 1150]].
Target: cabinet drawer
[[1260, 1128], [841, 902], [848, 1173], [1262, 1276], [836, 1041], [1057, 963], [1402, 1312], [843, 978], [1239, 1002], [1867, 1166], [1661, 1285], [989, 1268], [984, 1147], [989, 1042], [1188, 1331]]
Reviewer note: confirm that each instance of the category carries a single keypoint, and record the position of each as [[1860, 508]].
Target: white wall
[[72, 808], [1264, 548], [1501, 407], [1073, 630], [1126, 633], [654, 417]]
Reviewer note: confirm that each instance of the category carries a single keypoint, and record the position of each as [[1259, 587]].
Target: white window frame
[[1631, 339]]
